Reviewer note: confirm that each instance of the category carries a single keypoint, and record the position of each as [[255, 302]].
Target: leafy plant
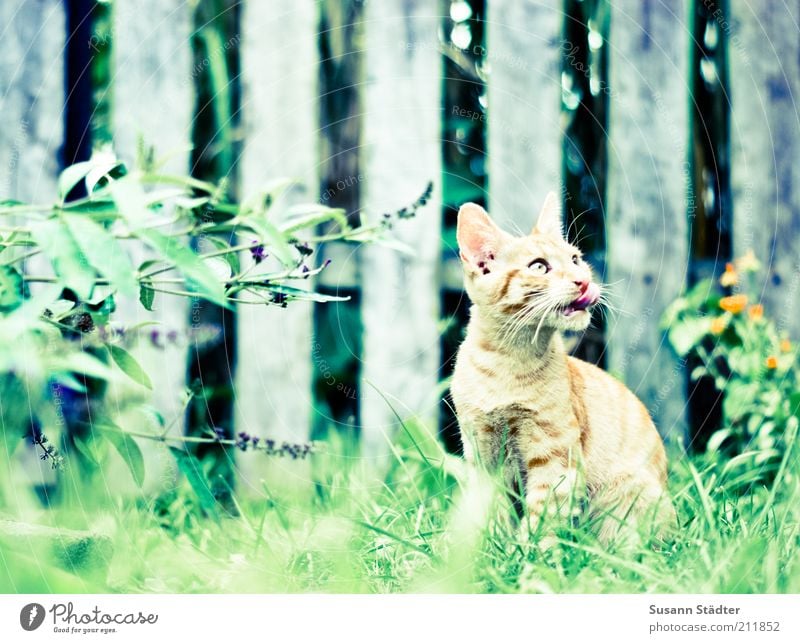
[[64, 265], [749, 360]]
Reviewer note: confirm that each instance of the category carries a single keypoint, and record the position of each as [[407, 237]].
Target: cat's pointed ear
[[478, 237], [550, 221]]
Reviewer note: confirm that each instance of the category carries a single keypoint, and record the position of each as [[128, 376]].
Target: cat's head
[[539, 279]]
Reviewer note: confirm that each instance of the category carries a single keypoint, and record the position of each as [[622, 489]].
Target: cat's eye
[[576, 259], [539, 266]]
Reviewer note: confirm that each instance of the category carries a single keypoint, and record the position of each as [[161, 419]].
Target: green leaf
[[133, 330], [131, 201], [128, 365], [147, 264], [749, 462], [673, 312], [71, 176], [311, 215], [87, 448], [701, 293], [698, 372], [100, 208], [744, 362], [202, 279], [273, 239], [188, 203], [60, 309], [104, 252], [102, 309], [91, 171], [231, 258], [127, 448], [307, 295], [29, 313], [192, 469], [103, 170], [82, 363], [687, 333], [740, 398], [68, 380], [146, 294], [12, 288], [716, 440], [221, 268], [69, 263], [261, 199], [395, 244]]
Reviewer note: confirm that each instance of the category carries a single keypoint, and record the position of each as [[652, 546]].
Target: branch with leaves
[[197, 242], [84, 239]]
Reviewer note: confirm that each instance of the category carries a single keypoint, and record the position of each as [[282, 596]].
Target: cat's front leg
[[552, 486]]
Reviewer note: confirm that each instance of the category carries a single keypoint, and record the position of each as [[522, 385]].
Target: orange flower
[[756, 312], [718, 325], [772, 362], [730, 277], [733, 304], [786, 345]]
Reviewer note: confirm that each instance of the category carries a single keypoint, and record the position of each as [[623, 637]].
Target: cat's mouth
[[581, 304]]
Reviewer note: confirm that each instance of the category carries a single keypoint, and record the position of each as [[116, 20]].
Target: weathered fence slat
[[647, 188], [401, 154], [32, 102], [32, 99], [279, 105], [524, 130], [153, 102], [765, 145]]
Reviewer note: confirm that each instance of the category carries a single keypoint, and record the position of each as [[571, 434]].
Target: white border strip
[[403, 618]]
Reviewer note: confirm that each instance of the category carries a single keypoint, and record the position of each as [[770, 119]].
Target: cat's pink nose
[[582, 284]]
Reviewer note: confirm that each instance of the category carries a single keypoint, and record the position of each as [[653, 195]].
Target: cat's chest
[[495, 389]]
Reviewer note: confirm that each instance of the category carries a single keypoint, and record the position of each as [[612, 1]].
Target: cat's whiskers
[[575, 221], [547, 304], [516, 323], [607, 306], [553, 307], [520, 313], [512, 319], [578, 238], [521, 319]]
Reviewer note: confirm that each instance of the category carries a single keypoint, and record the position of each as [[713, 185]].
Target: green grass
[[426, 522]]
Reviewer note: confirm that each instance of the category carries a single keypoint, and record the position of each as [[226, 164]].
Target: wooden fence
[[651, 203]]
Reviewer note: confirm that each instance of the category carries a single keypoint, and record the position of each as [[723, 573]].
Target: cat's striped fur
[[557, 423]]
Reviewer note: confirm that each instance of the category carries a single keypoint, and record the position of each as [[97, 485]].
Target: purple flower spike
[[155, 338], [257, 252], [243, 441]]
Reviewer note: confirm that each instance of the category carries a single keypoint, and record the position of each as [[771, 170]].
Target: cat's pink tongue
[[588, 298]]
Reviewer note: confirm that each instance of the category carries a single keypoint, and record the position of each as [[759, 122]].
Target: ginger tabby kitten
[[516, 390]]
